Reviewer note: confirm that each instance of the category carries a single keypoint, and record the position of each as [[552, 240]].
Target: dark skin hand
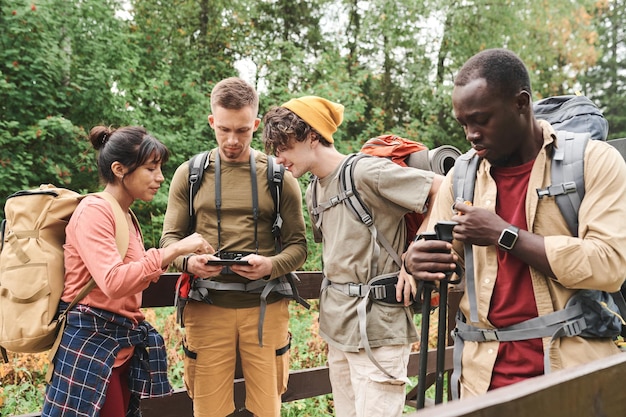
[[429, 260]]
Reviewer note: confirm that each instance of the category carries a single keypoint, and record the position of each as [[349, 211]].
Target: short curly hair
[[503, 70], [281, 125]]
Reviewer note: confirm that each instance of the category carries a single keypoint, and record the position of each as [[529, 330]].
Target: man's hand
[[258, 267], [197, 266], [405, 288], [430, 260], [476, 225]]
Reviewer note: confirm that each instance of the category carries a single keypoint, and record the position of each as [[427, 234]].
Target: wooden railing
[[303, 383], [594, 389]]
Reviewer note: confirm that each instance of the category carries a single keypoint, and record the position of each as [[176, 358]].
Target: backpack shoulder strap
[[463, 182], [356, 205], [567, 172], [348, 189], [464, 176], [197, 165], [319, 208], [122, 237], [275, 175]]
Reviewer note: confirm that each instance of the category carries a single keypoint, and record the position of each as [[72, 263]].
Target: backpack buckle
[[574, 327], [334, 201], [378, 292], [490, 335], [559, 189], [355, 290]]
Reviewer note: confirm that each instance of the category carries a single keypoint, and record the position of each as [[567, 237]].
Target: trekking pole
[[443, 231], [426, 293], [427, 289]]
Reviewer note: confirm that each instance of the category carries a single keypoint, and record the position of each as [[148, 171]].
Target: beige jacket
[[594, 260]]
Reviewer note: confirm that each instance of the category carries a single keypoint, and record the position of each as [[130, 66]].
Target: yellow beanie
[[322, 115]]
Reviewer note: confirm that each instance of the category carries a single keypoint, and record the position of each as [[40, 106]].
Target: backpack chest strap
[[332, 202]]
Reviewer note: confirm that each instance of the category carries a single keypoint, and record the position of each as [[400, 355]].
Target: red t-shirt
[[513, 299]]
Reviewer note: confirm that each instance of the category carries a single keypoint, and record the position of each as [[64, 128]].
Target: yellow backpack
[[32, 273]]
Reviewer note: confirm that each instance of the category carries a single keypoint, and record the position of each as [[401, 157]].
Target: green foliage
[[606, 83], [32, 63], [31, 156], [21, 399]]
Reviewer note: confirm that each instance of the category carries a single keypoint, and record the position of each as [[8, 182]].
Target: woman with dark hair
[[109, 356]]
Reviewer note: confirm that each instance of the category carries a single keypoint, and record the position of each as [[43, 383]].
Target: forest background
[[68, 65]]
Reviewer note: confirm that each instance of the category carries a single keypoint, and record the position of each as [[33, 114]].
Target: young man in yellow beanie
[[300, 134]]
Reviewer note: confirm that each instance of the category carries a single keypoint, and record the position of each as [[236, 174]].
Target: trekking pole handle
[[443, 230]]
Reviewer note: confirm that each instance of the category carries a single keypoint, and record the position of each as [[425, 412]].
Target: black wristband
[[186, 262]]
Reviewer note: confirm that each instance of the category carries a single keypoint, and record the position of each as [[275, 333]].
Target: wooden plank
[[177, 405], [593, 389]]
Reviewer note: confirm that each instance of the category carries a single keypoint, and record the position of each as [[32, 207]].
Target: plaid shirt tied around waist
[[83, 363]]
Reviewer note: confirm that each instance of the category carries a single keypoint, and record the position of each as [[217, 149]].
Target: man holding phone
[[234, 211]]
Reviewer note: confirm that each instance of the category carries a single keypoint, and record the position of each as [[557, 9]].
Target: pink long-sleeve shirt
[[90, 250]]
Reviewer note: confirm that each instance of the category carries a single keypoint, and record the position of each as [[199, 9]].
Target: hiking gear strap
[[349, 196], [197, 165], [567, 322], [360, 210], [275, 174], [568, 185], [218, 200], [464, 179], [366, 293]]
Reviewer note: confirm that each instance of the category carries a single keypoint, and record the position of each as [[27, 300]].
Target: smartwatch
[[508, 238]]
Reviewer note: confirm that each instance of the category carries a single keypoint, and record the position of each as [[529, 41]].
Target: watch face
[[507, 239]]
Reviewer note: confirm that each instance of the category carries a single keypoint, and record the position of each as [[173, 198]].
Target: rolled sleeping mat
[[439, 160], [442, 158]]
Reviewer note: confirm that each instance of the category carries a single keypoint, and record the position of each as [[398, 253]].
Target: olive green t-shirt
[[237, 224]]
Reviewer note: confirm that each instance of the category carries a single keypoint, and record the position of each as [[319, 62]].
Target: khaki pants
[[360, 389], [214, 333]]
